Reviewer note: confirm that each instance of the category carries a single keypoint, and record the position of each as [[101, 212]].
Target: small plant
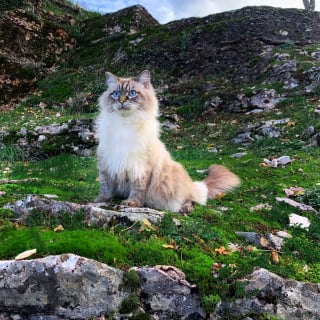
[[209, 302], [129, 304], [312, 198], [11, 153], [133, 279], [141, 316]]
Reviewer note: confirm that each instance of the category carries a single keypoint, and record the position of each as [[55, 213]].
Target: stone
[[269, 295], [94, 214], [65, 286], [166, 291], [296, 220], [74, 136], [68, 286], [267, 241]]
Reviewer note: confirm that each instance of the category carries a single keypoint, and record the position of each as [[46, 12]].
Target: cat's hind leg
[[187, 207]]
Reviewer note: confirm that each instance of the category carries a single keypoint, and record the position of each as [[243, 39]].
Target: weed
[[11, 153], [312, 198], [209, 302], [129, 304]]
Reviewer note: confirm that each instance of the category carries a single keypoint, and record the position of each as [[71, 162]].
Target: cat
[[134, 164]]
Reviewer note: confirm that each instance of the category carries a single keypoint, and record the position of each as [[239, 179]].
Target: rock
[[94, 215], [301, 206], [269, 295], [259, 130], [299, 221], [166, 291], [74, 136], [72, 287], [281, 161], [169, 125], [66, 286], [267, 241]]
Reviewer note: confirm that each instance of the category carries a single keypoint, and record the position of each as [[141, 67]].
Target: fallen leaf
[[275, 256], [25, 254], [146, 225], [222, 250], [171, 245], [291, 123], [264, 242], [220, 196]]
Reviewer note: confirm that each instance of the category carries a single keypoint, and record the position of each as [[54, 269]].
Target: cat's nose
[[122, 99]]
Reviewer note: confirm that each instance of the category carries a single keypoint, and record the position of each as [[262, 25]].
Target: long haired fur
[[134, 164]]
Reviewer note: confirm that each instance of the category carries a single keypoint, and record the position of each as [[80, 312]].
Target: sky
[[169, 10]]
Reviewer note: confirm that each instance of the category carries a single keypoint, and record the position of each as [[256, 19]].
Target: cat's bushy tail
[[219, 181]]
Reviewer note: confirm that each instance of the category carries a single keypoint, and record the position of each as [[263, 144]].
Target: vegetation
[[201, 244]]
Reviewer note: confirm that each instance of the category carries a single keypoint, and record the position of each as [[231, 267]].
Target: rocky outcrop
[[73, 287], [33, 40], [238, 44], [269, 294], [94, 214], [73, 136]]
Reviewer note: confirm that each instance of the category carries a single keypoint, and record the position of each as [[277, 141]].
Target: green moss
[[129, 304]]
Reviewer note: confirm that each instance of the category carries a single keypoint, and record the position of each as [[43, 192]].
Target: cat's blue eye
[[115, 95], [133, 93]]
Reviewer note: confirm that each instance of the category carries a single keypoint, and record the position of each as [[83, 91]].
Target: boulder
[[269, 295], [72, 287]]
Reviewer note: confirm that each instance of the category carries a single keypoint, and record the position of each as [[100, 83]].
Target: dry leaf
[[171, 245], [25, 254], [291, 124], [220, 196], [222, 250], [146, 225], [264, 242], [275, 256]]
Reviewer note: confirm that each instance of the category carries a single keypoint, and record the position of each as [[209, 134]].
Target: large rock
[[269, 294], [73, 287], [66, 286]]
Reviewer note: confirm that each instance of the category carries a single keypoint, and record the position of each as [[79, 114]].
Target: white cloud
[[168, 10]]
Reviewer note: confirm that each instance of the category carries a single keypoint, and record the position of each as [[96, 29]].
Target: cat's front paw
[[131, 203]]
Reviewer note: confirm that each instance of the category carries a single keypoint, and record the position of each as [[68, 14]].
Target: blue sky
[[168, 10]]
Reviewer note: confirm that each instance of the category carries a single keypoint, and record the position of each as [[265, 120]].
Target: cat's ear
[[111, 79], [145, 78]]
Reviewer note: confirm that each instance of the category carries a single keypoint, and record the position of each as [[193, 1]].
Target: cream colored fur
[[133, 162]]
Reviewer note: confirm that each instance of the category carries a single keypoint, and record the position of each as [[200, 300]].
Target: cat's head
[[130, 95]]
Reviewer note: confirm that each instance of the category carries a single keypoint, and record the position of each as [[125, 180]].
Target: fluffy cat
[[134, 164]]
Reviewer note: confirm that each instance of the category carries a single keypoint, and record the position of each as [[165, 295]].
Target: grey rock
[[270, 241], [72, 287], [94, 215], [166, 291], [269, 294], [66, 286], [74, 136]]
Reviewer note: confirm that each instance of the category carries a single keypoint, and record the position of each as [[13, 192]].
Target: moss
[[129, 304], [141, 316], [132, 279]]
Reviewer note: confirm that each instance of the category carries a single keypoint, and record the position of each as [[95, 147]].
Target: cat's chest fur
[[125, 144]]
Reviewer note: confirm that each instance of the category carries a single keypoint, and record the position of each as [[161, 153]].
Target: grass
[[192, 246]]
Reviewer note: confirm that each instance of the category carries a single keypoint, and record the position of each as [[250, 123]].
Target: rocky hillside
[[237, 46]]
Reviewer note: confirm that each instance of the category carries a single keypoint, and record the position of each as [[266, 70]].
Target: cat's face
[[127, 95]]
